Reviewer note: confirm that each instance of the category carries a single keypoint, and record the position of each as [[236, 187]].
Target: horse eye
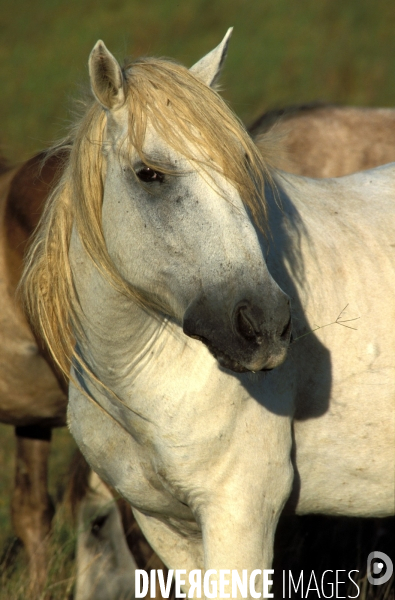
[[97, 524], [149, 175]]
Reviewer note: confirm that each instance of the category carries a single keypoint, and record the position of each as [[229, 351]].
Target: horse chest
[[165, 434], [176, 443]]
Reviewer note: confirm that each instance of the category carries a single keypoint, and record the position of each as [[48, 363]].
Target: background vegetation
[[282, 52]]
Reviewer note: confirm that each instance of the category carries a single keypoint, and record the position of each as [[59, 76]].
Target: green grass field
[[282, 52]]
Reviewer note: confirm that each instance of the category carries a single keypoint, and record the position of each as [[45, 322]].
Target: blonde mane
[[184, 112]]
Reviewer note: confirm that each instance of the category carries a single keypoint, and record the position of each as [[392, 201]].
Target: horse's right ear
[[106, 77]]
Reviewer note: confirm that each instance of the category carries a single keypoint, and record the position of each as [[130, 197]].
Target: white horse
[[110, 544], [105, 566], [147, 249]]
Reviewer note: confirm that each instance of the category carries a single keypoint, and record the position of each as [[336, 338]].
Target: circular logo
[[380, 568]]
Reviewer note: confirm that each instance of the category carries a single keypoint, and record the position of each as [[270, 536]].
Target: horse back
[[319, 140]]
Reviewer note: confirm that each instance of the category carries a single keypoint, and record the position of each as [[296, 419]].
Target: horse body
[[199, 200], [185, 427], [201, 443], [329, 141], [336, 240]]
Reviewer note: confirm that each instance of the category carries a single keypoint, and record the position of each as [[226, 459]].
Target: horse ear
[[106, 77], [208, 68]]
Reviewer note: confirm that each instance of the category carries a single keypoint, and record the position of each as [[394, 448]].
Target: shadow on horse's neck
[[308, 365]]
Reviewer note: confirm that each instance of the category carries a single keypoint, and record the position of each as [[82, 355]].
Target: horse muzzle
[[252, 337]]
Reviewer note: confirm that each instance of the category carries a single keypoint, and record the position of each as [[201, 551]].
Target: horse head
[[181, 181]]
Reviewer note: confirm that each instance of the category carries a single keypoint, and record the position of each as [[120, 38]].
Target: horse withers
[[186, 395]]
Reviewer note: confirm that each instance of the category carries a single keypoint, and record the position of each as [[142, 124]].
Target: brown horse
[[32, 395], [318, 140]]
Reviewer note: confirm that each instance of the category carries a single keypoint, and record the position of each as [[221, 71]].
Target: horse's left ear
[[106, 77], [208, 68]]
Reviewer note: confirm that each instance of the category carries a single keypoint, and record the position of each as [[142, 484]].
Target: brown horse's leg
[[31, 507]]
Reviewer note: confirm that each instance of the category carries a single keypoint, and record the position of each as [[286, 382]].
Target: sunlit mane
[[186, 113]]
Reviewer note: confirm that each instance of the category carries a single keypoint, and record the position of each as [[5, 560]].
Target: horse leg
[[31, 507]]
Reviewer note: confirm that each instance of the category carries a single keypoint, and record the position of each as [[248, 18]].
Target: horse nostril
[[245, 325], [286, 332]]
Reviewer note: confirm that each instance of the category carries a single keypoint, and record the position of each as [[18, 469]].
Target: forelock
[[188, 114]]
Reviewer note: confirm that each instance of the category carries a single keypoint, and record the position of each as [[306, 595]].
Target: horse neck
[[140, 357], [119, 333]]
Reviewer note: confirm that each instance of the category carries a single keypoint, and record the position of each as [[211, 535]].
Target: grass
[[14, 582], [282, 52]]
